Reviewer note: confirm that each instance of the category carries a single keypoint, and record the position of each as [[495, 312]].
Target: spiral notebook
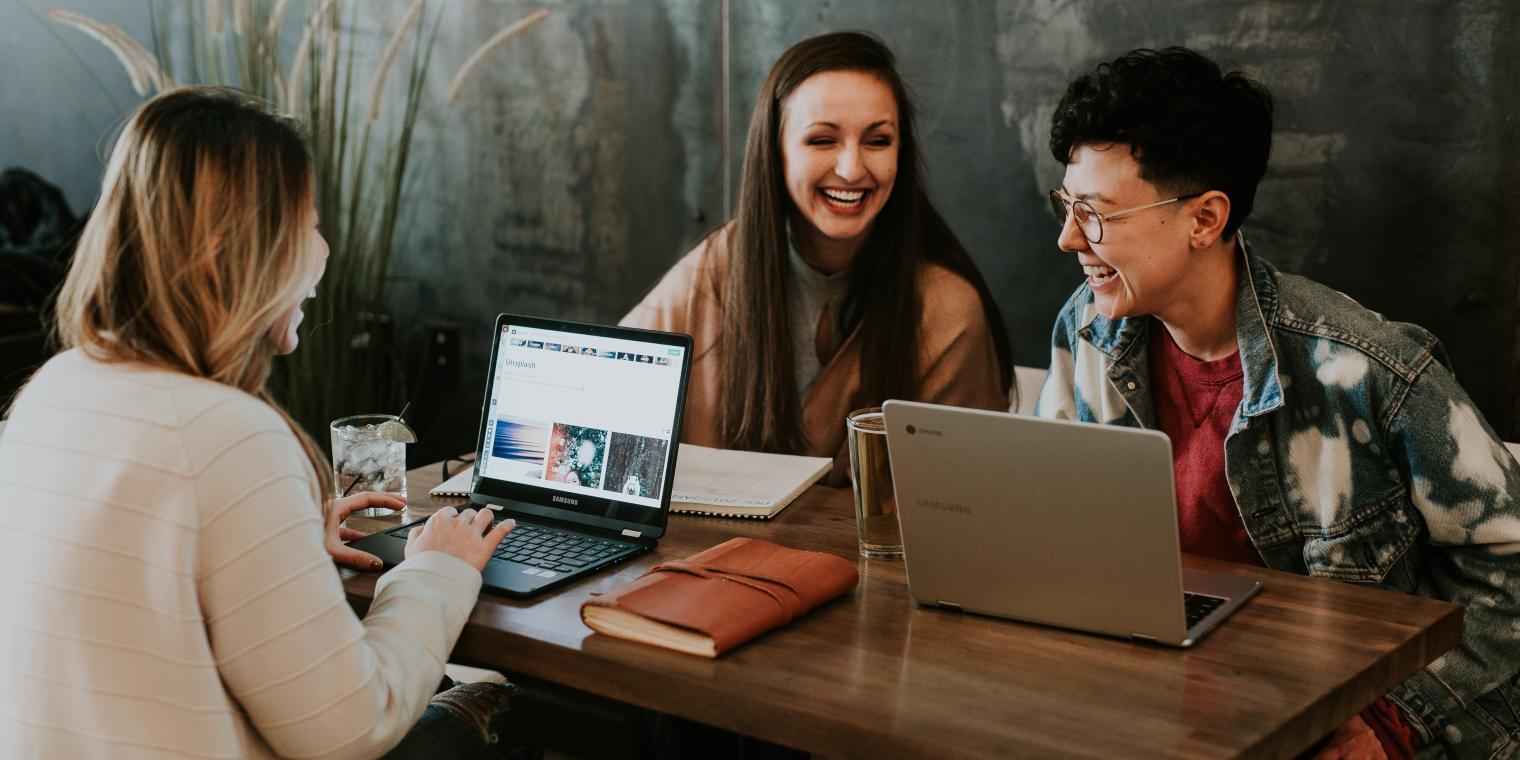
[[728, 483], [459, 485], [717, 482]]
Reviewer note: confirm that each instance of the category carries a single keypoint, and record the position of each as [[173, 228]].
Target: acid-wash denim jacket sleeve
[[1354, 455]]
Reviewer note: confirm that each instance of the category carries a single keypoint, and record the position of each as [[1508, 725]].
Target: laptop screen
[[583, 415]]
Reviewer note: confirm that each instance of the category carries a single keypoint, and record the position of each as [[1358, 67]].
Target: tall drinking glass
[[871, 473], [366, 460]]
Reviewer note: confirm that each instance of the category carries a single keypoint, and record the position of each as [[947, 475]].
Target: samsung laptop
[[1060, 523], [577, 443]]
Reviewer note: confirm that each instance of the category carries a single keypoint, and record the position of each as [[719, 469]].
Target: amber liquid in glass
[[871, 472]]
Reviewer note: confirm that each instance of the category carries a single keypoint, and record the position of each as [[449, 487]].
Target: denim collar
[[1255, 306], [1255, 309]]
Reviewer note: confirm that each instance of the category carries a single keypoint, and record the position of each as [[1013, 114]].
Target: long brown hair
[[761, 408], [197, 248]]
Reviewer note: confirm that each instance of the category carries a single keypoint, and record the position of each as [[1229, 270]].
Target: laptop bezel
[[602, 513]]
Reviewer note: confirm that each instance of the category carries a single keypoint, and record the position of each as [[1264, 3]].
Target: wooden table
[[872, 674]]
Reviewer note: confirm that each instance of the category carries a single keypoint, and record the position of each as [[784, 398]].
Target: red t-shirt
[[1195, 403]]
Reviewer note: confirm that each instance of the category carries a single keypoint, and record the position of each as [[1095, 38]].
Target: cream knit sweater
[[164, 591]]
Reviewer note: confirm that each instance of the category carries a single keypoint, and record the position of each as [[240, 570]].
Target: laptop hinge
[[1142, 637], [951, 605], [631, 533]]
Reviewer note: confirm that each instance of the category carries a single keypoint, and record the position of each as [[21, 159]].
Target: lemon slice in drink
[[397, 431]]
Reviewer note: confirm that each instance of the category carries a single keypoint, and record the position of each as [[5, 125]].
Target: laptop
[[1060, 523], [577, 443]]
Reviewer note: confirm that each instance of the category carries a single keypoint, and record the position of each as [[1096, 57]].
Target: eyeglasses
[[1089, 221]]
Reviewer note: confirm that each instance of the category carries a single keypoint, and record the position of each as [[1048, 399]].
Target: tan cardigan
[[957, 358]]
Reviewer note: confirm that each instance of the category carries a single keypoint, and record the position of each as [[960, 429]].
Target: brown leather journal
[[720, 598]]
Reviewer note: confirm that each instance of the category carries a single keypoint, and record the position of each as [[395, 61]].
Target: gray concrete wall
[[62, 95], [591, 152]]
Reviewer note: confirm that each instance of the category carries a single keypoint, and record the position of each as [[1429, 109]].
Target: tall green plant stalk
[[347, 362]]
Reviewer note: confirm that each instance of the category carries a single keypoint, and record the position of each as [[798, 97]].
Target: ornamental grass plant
[[348, 361]]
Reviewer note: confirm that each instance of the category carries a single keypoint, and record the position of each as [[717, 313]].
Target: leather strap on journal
[[791, 603]]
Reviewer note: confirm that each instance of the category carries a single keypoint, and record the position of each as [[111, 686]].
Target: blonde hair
[[196, 250]]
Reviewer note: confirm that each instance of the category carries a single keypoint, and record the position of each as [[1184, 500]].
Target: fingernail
[[376, 565]]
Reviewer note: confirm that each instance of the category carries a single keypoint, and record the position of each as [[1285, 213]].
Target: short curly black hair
[[1191, 126]]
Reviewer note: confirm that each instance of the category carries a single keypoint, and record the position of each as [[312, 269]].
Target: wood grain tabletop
[[872, 674]]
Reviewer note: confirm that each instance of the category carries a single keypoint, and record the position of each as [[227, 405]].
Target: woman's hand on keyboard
[[467, 535]]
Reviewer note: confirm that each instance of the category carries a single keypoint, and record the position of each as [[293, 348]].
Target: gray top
[[811, 291]]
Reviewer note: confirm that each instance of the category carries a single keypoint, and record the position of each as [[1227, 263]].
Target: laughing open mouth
[[1099, 273], [843, 198]]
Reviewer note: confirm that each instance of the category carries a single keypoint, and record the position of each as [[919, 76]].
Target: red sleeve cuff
[[1396, 736]]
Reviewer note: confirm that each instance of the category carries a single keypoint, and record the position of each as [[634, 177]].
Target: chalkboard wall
[[593, 151]]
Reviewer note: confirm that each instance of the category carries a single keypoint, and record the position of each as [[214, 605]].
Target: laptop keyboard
[[1199, 606], [550, 549], [556, 550]]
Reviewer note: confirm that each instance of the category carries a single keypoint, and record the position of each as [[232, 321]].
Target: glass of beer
[[871, 474]]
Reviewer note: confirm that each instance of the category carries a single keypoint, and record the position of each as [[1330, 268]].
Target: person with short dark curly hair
[[1309, 434]]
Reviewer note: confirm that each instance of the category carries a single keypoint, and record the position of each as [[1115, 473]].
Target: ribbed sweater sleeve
[[313, 680]]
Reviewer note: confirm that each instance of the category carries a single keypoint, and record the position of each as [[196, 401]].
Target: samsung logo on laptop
[[944, 506], [566, 500]]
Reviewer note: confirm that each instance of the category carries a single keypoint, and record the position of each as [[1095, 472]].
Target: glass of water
[[368, 457]]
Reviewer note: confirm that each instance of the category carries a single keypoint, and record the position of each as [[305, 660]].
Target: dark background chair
[[37, 236]]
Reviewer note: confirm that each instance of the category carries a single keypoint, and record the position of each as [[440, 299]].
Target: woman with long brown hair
[[837, 285], [166, 565]]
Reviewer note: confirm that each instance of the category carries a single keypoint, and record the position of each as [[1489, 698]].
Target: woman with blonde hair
[[166, 565]]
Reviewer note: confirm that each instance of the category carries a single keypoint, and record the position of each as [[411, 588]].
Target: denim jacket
[[1354, 455]]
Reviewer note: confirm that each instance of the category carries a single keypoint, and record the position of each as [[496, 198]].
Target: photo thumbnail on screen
[[635, 465], [576, 455], [521, 445]]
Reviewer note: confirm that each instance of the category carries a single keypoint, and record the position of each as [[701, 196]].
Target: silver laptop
[[1067, 524]]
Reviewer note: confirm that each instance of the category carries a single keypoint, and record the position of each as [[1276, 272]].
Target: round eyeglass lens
[[1088, 221], [1058, 207]]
